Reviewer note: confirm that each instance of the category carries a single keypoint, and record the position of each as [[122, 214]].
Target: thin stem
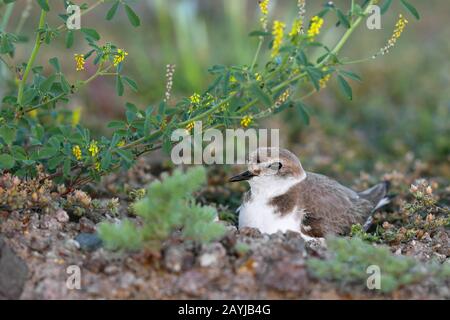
[[258, 50], [37, 45], [7, 15], [81, 84], [346, 35]]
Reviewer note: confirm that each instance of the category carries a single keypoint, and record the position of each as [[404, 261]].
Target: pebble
[[88, 241], [62, 216]]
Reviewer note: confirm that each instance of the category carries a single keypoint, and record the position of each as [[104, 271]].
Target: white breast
[[257, 213]]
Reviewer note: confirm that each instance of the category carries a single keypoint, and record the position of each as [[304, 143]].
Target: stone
[[89, 241], [13, 273], [213, 255], [62, 216], [86, 225]]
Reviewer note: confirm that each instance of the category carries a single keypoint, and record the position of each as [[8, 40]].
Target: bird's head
[[268, 165]]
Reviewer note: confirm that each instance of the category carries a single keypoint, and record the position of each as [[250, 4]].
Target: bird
[[284, 197]]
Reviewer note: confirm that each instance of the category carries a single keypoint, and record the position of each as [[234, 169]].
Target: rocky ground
[[36, 248]]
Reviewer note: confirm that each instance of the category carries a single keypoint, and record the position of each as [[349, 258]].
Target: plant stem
[[7, 15], [345, 37], [37, 45], [258, 50]]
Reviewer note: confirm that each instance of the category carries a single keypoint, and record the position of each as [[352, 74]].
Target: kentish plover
[[283, 197]]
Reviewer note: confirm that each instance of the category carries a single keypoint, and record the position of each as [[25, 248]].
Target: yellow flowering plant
[[282, 73]]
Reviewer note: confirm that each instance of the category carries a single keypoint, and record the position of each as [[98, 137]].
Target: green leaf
[[69, 39], [6, 161], [132, 16], [302, 110], [385, 7], [119, 86], [8, 134], [66, 167], [345, 87], [44, 5], [131, 83], [56, 161], [350, 75], [55, 63], [315, 75], [258, 93], [342, 18], [47, 83], [65, 84], [411, 9], [47, 152], [106, 161], [91, 33], [126, 155], [18, 153], [259, 33], [112, 11]]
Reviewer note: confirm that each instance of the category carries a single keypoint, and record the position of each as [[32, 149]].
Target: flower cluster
[[264, 7], [190, 126], [93, 148], [119, 57], [399, 27], [79, 59], [195, 99], [246, 121], [278, 33], [282, 99], [314, 28], [169, 76], [76, 151]]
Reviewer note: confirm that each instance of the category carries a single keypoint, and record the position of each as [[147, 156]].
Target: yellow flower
[[195, 98], [33, 113], [97, 166], [399, 27], [246, 121], [314, 28], [119, 57], [323, 82], [76, 115], [79, 59], [76, 151], [264, 6], [296, 28], [282, 98], [258, 77], [190, 126], [278, 33], [93, 148], [121, 143]]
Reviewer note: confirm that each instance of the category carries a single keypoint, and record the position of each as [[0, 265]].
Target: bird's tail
[[378, 195]]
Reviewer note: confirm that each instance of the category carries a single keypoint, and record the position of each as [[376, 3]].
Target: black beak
[[242, 176]]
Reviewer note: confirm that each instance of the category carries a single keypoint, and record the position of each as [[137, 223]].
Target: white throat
[[272, 185]]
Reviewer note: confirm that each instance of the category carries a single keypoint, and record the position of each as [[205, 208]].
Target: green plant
[[35, 129], [167, 207], [351, 258]]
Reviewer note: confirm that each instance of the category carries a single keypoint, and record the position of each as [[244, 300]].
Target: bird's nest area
[[40, 240]]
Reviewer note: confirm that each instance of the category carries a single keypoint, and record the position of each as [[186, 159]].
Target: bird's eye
[[275, 166]]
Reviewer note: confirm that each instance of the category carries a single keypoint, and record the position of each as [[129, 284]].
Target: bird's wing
[[330, 208]]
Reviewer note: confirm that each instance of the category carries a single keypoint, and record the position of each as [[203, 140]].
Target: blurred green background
[[401, 109]]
